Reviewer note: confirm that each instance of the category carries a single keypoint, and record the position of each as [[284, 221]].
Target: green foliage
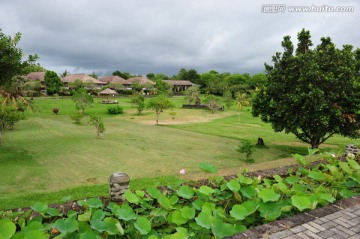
[[192, 94], [115, 110], [212, 103], [312, 93], [77, 117], [163, 87], [139, 102], [124, 75], [207, 168], [247, 148], [77, 84], [99, 125], [159, 104], [82, 99], [8, 117], [10, 58], [52, 82], [172, 114], [219, 210]]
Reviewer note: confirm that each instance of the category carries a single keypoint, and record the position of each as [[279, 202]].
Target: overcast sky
[[162, 36]]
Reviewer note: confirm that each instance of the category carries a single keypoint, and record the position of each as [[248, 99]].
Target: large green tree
[[11, 63], [11, 67], [313, 93], [52, 82]]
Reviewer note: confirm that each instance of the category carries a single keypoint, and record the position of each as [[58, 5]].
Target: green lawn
[[48, 156]]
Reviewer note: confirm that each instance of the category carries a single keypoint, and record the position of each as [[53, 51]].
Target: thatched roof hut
[[108, 91], [40, 76], [113, 79], [82, 77], [141, 80]]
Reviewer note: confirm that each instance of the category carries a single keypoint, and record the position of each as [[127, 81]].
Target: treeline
[[211, 82]]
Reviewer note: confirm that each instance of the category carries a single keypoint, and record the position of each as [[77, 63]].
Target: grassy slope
[[48, 153]]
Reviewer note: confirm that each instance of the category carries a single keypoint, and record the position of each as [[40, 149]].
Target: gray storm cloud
[[162, 36]]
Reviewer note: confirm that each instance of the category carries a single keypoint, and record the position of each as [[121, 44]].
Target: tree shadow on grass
[[288, 149]]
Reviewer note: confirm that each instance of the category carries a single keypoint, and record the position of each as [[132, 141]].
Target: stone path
[[340, 220], [342, 224]]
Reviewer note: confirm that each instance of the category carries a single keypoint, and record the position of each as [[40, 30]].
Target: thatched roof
[[141, 80], [83, 77], [179, 82], [113, 79], [35, 76], [108, 91]]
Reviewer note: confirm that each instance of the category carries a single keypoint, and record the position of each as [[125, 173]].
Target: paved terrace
[[340, 220]]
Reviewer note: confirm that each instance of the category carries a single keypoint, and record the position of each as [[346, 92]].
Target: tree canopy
[[159, 104], [313, 93], [11, 63], [52, 82]]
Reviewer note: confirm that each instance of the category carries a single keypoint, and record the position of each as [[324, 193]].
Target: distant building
[[179, 85], [67, 80]]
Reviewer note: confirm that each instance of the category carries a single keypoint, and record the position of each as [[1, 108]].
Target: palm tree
[[242, 100]]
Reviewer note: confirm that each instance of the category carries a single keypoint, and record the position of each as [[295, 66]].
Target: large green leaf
[[113, 226], [206, 190], [185, 192], [7, 229], [204, 218], [143, 225], [233, 185], [85, 217], [270, 211], [94, 203], [40, 207], [164, 202], [248, 191], [353, 164], [179, 235], [90, 235], [345, 167], [187, 212], [34, 225], [268, 195], [53, 212], [240, 212], [67, 225], [125, 213], [177, 218], [221, 229], [153, 192], [131, 197], [301, 202], [35, 234], [318, 176], [208, 168]]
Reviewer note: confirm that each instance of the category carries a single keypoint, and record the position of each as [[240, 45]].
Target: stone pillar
[[352, 149], [119, 183]]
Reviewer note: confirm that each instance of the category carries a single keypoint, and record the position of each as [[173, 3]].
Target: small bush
[[77, 118], [247, 148], [115, 110], [56, 110]]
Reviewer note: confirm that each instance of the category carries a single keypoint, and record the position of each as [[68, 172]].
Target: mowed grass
[[47, 153]]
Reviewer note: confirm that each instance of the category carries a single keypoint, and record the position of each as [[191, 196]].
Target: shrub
[[56, 110], [99, 125], [115, 110], [77, 118], [247, 148]]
